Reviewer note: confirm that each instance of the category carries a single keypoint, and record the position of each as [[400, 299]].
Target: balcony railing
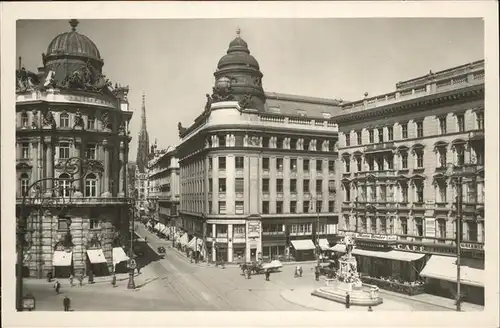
[[75, 201], [385, 146]]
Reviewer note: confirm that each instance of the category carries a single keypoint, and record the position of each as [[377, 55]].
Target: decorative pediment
[[370, 176], [440, 144], [23, 166]]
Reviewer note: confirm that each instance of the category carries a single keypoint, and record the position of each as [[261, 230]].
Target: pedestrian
[[80, 280], [267, 275], [71, 277], [66, 303], [316, 273], [49, 276], [57, 286], [370, 309], [91, 277], [113, 281], [347, 300], [138, 266]]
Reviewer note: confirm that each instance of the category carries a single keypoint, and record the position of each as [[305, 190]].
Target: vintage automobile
[[328, 269], [259, 267]]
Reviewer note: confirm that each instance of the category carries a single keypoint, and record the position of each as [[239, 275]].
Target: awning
[[445, 268], [302, 245], [119, 255], [324, 244], [161, 226], [196, 241], [165, 231], [96, 256], [390, 255], [62, 258], [157, 226], [338, 248], [183, 240]]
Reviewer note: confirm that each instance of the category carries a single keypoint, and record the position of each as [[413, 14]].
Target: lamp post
[[464, 171], [43, 196]]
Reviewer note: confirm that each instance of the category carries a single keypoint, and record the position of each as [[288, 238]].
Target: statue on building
[[105, 120], [48, 119], [222, 89], [78, 120], [34, 121], [245, 101], [50, 81], [208, 104], [181, 129]]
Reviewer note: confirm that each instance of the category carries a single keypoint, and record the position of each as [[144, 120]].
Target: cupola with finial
[[238, 76]]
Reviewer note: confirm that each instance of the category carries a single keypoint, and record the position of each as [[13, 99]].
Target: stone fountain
[[347, 281]]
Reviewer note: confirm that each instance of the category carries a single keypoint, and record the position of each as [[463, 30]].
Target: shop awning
[[157, 226], [324, 244], [96, 256], [445, 268], [338, 248], [119, 255], [390, 255], [62, 258], [161, 226], [196, 241], [165, 231], [183, 240], [302, 245]]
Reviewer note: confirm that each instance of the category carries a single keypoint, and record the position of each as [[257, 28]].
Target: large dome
[[73, 43], [238, 54]]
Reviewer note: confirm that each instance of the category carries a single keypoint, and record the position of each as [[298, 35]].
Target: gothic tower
[[143, 141]]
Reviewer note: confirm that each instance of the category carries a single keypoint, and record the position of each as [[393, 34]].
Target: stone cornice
[[430, 101]]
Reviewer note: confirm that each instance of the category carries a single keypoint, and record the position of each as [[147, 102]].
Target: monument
[[347, 281]]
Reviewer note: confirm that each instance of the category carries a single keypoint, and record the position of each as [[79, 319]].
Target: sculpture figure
[[208, 105], [78, 120], [181, 129]]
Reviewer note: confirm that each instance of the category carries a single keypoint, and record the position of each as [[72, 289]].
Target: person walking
[[71, 277], [113, 281], [316, 273], [57, 286], [267, 275], [80, 280], [370, 309], [347, 300], [138, 267], [91, 277], [66, 303], [49, 276]]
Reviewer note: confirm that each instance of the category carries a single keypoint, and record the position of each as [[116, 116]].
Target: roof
[[295, 105], [73, 43]]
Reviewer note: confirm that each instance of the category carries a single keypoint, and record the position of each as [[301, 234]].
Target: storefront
[[119, 260], [96, 262], [239, 252], [62, 261], [221, 252], [440, 273], [303, 249]]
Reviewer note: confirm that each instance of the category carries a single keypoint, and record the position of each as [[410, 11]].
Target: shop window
[[293, 206], [265, 163], [293, 164], [293, 185], [239, 162], [221, 231], [239, 207], [265, 185], [306, 165]]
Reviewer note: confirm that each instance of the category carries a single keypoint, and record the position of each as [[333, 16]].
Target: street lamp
[[452, 173], [40, 194]]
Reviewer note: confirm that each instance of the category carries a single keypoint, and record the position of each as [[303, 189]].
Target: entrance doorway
[[253, 254]]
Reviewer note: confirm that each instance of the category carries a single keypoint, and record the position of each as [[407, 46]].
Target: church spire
[[143, 141]]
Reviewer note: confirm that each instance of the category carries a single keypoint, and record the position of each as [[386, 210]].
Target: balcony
[[442, 206], [418, 205], [376, 174], [380, 147], [73, 201]]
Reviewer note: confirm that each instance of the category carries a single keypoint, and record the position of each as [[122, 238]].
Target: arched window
[[65, 185], [25, 182], [24, 120], [91, 185], [64, 120]]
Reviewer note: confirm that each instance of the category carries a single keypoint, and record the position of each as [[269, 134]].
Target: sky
[[172, 60]]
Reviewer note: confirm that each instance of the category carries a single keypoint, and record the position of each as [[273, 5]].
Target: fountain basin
[[365, 294]]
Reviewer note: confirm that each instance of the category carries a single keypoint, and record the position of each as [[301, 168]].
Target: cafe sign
[[407, 247], [375, 237], [473, 246]]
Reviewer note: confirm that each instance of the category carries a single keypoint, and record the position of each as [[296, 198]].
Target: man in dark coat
[[347, 300], [57, 286], [267, 275], [316, 273], [91, 277], [66, 303]]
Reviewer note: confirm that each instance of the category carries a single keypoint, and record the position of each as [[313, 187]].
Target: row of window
[[64, 121], [63, 224], [274, 142], [240, 164], [221, 230], [65, 186], [239, 185], [369, 225], [63, 151], [387, 133]]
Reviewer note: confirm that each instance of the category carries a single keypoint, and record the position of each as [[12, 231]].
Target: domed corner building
[[78, 217], [257, 169]]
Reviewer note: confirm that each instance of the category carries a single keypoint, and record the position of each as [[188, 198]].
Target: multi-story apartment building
[[258, 169], [396, 150], [78, 214], [164, 186]]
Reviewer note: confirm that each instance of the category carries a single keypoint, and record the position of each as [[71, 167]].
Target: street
[[173, 283]]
